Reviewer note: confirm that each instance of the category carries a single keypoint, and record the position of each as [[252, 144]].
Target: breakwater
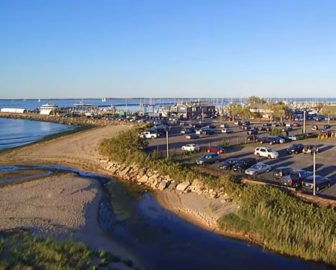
[[79, 121]]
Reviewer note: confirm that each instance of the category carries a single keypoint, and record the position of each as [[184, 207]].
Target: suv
[[243, 164], [320, 182], [266, 152], [295, 178], [280, 172], [295, 149], [207, 159], [149, 135]]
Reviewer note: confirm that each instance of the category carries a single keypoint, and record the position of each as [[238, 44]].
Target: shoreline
[[79, 151]]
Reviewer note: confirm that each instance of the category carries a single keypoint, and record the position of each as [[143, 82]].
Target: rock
[[143, 179], [197, 186], [164, 184], [183, 186]]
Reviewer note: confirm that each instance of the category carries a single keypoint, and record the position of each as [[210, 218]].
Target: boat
[[39, 100], [47, 109], [103, 99]]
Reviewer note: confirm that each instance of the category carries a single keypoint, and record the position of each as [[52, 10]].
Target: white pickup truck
[[191, 147], [149, 135]]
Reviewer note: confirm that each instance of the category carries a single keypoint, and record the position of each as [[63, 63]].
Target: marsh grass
[[22, 251]]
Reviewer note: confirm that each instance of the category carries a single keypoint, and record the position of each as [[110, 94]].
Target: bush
[[276, 132]]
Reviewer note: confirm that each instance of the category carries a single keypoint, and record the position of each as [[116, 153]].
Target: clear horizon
[[191, 48]]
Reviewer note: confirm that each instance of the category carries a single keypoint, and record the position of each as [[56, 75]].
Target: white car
[[258, 169], [266, 152], [149, 135], [227, 130], [191, 147]]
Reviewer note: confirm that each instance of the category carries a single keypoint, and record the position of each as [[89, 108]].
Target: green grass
[[276, 219], [21, 251]]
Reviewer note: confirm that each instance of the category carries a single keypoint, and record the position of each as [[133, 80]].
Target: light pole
[[167, 141], [304, 121], [314, 171]]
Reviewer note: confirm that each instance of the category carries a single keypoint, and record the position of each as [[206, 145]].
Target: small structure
[[48, 109], [193, 109], [13, 110]]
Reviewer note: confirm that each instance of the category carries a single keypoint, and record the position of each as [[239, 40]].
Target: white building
[[13, 110], [48, 109]]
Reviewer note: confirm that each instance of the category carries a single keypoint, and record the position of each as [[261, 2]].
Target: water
[[133, 104], [162, 241], [16, 132]]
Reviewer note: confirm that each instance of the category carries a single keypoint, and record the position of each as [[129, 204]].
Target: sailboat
[[103, 99], [39, 100]]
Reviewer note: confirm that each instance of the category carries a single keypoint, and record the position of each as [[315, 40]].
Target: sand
[[78, 150], [60, 206], [199, 209]]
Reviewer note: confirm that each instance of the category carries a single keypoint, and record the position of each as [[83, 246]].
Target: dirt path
[[77, 150]]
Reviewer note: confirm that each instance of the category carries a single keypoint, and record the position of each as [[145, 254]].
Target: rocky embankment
[[194, 201], [79, 121]]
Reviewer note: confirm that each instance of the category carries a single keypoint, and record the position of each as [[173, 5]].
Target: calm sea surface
[[16, 132]]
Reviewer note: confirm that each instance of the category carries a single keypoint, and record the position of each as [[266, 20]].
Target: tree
[[254, 101], [327, 111], [278, 110]]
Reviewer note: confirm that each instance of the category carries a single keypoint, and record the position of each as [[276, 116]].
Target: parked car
[[297, 137], [269, 139], [295, 149], [280, 172], [207, 131], [320, 183], [326, 127], [315, 127], [266, 152], [243, 164], [207, 159], [295, 178], [237, 123], [188, 130], [191, 147], [214, 149], [308, 149], [310, 135], [296, 124], [192, 136], [227, 130], [149, 135], [228, 164], [258, 169], [287, 129], [225, 125], [253, 131], [252, 138]]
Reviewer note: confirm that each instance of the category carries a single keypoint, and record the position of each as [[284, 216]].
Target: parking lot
[[238, 147]]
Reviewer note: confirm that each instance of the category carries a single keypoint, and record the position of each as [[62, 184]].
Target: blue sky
[[167, 48]]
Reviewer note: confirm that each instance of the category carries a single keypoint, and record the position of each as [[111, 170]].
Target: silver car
[[258, 169]]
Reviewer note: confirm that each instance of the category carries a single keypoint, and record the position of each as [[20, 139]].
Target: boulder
[[183, 186], [197, 186], [143, 179], [164, 184]]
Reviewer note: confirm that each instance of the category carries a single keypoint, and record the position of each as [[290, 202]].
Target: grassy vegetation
[[280, 221], [21, 251]]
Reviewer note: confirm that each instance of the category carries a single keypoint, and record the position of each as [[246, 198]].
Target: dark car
[[326, 127], [207, 159], [320, 182], [252, 138], [207, 131], [295, 149], [280, 172], [215, 149], [252, 131], [295, 178], [270, 140], [243, 164], [228, 164], [310, 135], [188, 130]]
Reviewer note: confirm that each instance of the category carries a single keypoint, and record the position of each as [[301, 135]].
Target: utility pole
[[167, 141], [304, 121], [314, 171]]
